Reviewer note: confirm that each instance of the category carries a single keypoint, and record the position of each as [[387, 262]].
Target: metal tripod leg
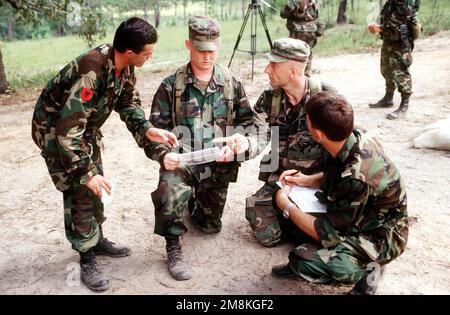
[[247, 14], [254, 9]]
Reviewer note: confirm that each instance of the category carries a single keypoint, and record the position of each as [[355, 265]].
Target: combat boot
[[92, 277], [400, 112], [107, 248], [386, 101], [362, 287], [178, 266]]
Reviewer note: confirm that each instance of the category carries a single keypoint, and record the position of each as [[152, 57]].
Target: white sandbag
[[435, 136]]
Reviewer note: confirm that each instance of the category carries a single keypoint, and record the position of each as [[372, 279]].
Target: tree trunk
[[157, 14], [206, 7], [222, 4], [381, 4], [145, 11], [353, 4], [342, 16], [4, 86], [176, 6], [243, 9], [10, 30]]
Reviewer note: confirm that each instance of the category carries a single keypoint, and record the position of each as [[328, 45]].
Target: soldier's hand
[[163, 136], [282, 197], [226, 155], [171, 161], [293, 177], [374, 28], [237, 143], [95, 184]]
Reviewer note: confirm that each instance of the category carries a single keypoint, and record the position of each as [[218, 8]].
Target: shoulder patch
[[86, 94]]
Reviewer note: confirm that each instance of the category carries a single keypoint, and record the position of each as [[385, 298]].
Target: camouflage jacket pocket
[[226, 172]]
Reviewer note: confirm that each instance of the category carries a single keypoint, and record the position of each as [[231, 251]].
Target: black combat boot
[[386, 101], [107, 248], [400, 112], [90, 274], [283, 271], [178, 266], [362, 287]]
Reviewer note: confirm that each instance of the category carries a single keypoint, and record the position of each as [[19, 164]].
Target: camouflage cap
[[285, 49], [204, 32]]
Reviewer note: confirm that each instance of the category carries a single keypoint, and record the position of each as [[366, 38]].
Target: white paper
[[305, 199], [200, 156], [107, 199]]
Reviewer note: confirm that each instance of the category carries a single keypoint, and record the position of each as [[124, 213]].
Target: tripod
[[254, 9]]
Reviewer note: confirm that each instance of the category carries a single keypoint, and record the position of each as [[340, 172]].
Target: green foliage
[[33, 62]]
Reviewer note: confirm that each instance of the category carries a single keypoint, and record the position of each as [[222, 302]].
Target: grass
[[30, 63]]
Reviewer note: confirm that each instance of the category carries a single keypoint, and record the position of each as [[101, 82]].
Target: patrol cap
[[285, 49], [204, 32]]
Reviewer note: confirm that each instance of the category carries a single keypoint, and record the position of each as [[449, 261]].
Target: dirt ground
[[35, 257]]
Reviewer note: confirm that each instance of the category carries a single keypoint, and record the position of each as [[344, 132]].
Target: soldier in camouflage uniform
[[366, 224], [195, 100], [301, 16], [283, 109], [66, 127], [398, 29]]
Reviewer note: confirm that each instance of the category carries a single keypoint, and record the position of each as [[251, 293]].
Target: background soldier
[[204, 98], [398, 29], [283, 107], [66, 121], [302, 24], [366, 224]]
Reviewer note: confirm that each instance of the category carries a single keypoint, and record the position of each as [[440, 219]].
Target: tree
[[342, 16], [31, 12]]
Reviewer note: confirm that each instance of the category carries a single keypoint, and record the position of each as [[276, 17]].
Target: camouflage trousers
[[394, 66], [308, 260], [181, 189], [328, 265], [311, 40], [83, 211], [268, 224]]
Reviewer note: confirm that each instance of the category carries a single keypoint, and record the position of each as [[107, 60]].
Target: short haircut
[[134, 34], [331, 114]]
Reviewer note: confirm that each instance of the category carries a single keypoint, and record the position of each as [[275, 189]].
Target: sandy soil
[[35, 257]]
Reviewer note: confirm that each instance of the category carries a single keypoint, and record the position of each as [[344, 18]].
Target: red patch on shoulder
[[86, 94]]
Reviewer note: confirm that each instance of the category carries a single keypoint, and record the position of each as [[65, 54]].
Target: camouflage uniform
[[296, 150], [66, 121], [203, 188], [302, 24], [397, 18], [366, 218]]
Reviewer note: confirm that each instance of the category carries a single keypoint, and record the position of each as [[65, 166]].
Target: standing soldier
[[202, 98], [283, 107], [66, 127], [398, 27], [302, 24], [366, 223]]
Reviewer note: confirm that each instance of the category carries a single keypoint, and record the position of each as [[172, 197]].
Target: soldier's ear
[[128, 52], [188, 44]]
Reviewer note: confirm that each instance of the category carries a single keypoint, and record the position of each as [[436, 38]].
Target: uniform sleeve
[[262, 127], [288, 9], [415, 12], [73, 149], [248, 121], [160, 117], [348, 201], [130, 111]]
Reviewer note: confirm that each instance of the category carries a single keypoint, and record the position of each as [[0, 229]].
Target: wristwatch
[[287, 208], [85, 179]]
